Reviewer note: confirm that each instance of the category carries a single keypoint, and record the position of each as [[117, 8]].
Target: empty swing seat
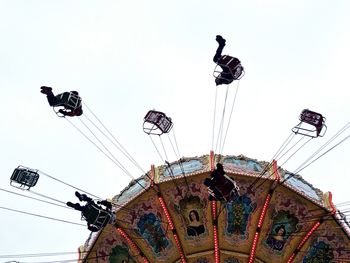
[[24, 178], [311, 124], [156, 123]]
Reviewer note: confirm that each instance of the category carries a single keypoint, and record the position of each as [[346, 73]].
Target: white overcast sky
[[127, 57]]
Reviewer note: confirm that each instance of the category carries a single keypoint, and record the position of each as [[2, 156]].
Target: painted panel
[[303, 186], [133, 190], [186, 167], [190, 212], [238, 215], [242, 164], [145, 222], [320, 252], [113, 249], [189, 205]]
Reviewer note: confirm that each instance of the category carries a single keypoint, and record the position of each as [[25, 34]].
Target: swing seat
[[156, 123], [228, 69], [97, 217], [312, 124], [223, 191], [102, 219], [24, 178], [69, 100]]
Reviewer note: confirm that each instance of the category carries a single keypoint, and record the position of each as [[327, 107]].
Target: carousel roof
[[165, 216]]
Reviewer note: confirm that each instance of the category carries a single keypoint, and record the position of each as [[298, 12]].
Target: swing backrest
[[24, 178], [69, 100], [312, 118], [230, 62], [230, 69], [312, 124], [96, 216], [156, 123]]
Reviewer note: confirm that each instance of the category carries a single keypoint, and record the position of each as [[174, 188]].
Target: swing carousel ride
[[259, 212]]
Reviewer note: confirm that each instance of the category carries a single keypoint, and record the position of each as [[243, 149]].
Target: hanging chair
[[312, 124], [224, 189], [156, 123], [228, 69], [96, 216], [24, 178], [69, 100]]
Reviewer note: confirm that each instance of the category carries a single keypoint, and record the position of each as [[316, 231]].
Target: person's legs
[[83, 197], [45, 89], [76, 206], [221, 46], [51, 98]]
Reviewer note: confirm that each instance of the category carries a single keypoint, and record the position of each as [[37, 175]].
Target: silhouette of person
[[227, 63], [62, 100], [220, 185], [91, 211]]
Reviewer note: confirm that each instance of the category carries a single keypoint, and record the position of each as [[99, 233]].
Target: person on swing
[[227, 63], [61, 100]]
